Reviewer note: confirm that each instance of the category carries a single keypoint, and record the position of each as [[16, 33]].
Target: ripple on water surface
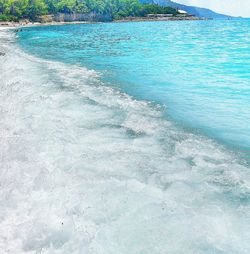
[[88, 169], [199, 70]]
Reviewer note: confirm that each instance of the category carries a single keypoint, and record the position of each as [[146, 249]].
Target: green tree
[[115, 9], [36, 8]]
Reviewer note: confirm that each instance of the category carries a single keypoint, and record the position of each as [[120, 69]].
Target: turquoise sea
[[200, 71], [126, 138]]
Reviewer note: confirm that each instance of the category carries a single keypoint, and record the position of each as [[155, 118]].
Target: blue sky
[[230, 7]]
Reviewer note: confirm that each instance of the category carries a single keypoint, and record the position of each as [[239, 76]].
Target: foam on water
[[199, 70], [87, 169]]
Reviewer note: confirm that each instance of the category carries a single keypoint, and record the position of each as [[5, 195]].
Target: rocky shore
[[22, 24], [61, 22], [173, 18]]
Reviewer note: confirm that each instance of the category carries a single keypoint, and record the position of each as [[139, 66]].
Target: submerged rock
[[2, 54], [18, 30]]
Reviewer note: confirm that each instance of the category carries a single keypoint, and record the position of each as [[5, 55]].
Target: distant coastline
[[128, 19], [174, 18]]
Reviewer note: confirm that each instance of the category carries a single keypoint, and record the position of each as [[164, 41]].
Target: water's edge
[[85, 168], [165, 69]]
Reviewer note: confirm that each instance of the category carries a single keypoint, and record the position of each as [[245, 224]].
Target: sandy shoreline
[[8, 25]]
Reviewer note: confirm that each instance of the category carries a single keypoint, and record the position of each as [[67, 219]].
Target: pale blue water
[[199, 70], [125, 139]]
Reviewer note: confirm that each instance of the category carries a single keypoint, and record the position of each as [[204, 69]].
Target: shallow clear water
[[93, 162], [199, 70]]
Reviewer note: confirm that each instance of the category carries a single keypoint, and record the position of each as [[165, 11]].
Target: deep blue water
[[199, 70]]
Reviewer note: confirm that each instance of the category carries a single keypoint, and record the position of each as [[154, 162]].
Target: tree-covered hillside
[[116, 9], [197, 11]]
